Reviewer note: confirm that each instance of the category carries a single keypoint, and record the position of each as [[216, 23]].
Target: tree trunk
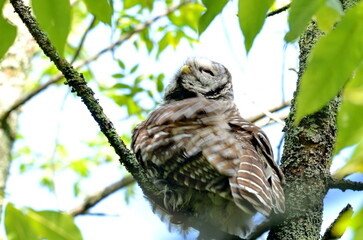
[[306, 159]]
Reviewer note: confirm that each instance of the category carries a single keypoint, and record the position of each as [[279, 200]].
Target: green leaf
[[301, 13], [118, 75], [170, 39], [8, 33], [81, 166], [76, 189], [350, 125], [121, 64], [341, 225], [143, 3], [329, 14], [354, 165], [129, 193], [252, 15], [134, 68], [144, 37], [132, 107], [213, 9], [188, 14], [17, 226], [160, 83], [54, 17], [28, 224], [53, 225], [121, 85], [332, 62], [47, 182], [101, 9], [120, 99], [357, 225], [130, 3], [163, 43]]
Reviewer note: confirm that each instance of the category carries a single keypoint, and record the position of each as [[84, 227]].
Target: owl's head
[[200, 77]]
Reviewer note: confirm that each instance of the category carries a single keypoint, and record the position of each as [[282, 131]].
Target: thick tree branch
[[80, 64], [344, 184], [308, 148], [329, 234], [95, 198], [77, 84]]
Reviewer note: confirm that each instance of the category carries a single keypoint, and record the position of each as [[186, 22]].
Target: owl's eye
[[204, 70]]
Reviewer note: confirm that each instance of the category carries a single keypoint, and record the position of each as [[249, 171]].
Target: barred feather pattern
[[206, 159]]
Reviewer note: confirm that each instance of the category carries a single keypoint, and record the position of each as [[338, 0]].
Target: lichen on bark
[[307, 158]]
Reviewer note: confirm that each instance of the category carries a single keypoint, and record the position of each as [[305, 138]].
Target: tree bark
[[306, 159]]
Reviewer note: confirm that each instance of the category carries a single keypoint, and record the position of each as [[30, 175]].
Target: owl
[[214, 169]]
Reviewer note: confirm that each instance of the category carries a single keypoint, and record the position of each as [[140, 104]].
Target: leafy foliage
[[252, 15], [29, 224], [332, 62], [329, 14], [357, 224], [54, 16], [187, 15], [213, 9], [101, 9], [349, 118], [8, 33], [300, 15]]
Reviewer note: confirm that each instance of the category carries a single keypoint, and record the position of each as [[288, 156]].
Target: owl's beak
[[186, 69]]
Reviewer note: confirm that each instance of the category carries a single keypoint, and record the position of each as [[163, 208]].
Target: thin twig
[[279, 10], [59, 77], [344, 184], [281, 120], [272, 110], [83, 39], [329, 234], [128, 35], [95, 198]]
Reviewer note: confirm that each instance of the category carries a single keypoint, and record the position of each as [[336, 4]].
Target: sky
[[258, 82]]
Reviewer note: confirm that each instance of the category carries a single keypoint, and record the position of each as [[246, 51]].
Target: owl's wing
[[258, 173]]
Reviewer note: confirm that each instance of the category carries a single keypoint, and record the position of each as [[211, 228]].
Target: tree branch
[[95, 198], [83, 39], [306, 159], [346, 212], [344, 184], [279, 10], [272, 110], [59, 77], [78, 85]]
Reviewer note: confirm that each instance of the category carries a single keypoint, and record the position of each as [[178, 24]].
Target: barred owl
[[210, 164]]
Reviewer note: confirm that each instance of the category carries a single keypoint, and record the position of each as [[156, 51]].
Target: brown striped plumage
[[204, 157]]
